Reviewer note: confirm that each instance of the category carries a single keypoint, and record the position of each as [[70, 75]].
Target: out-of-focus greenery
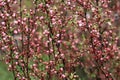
[[4, 73]]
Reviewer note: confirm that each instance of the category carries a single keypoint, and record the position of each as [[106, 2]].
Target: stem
[[11, 52], [21, 24], [50, 36], [97, 1], [93, 47], [35, 7], [27, 56], [15, 78]]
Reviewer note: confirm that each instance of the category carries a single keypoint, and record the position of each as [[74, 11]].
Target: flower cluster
[[59, 39]]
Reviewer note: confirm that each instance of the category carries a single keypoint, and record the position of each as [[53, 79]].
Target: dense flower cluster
[[60, 39]]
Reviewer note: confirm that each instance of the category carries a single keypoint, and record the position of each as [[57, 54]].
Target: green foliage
[[80, 71], [4, 73]]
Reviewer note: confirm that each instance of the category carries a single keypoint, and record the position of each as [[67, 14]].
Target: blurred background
[[115, 6]]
